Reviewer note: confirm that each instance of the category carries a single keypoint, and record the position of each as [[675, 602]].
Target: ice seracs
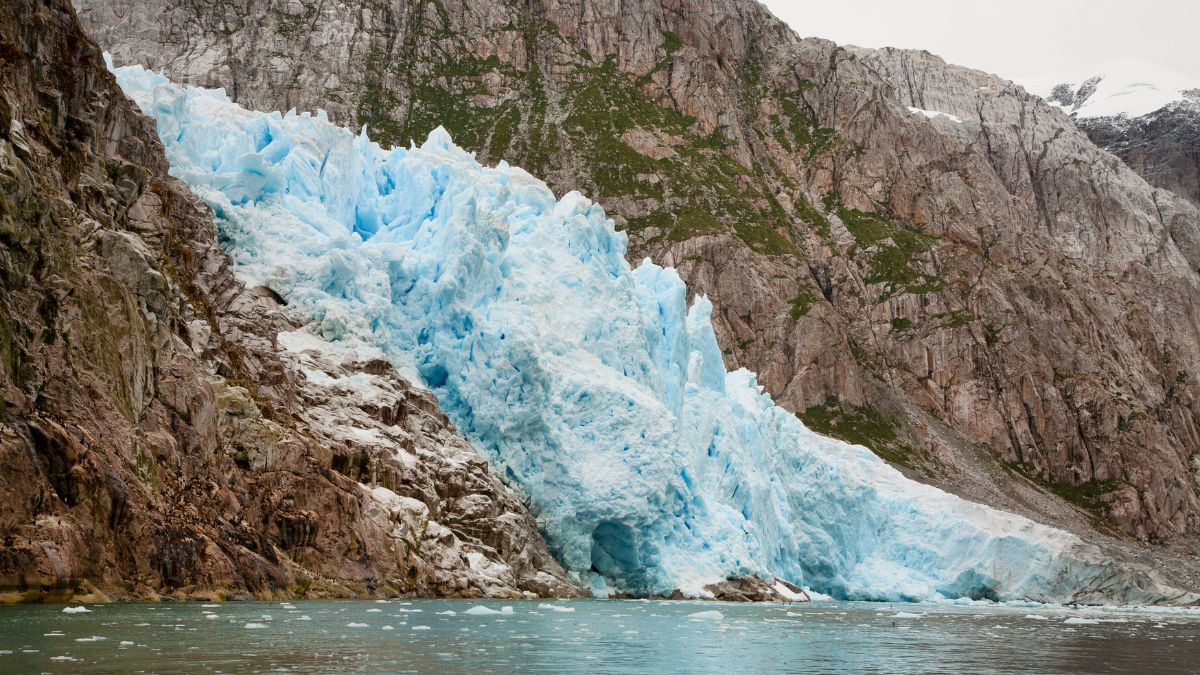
[[592, 386]]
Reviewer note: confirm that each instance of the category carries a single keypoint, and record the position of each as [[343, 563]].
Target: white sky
[[1011, 38]]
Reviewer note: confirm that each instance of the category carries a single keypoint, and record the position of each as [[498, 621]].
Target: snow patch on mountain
[[590, 385], [1129, 87], [933, 114]]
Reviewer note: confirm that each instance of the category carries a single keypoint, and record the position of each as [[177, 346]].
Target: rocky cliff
[[1163, 146], [1144, 113], [912, 255], [166, 431]]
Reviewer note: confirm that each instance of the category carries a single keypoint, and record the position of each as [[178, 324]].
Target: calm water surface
[[600, 636]]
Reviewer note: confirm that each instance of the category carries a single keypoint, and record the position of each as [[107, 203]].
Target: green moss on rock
[[862, 425]]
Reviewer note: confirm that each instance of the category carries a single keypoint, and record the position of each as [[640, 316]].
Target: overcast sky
[[1011, 38]]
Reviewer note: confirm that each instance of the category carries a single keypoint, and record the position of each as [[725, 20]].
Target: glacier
[[589, 385]]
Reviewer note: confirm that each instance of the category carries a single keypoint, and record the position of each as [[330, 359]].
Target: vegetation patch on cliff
[[862, 425], [893, 251]]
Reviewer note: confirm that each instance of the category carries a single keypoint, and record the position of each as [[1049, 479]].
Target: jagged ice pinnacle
[[588, 384]]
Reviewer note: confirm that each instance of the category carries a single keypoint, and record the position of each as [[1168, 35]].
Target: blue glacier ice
[[589, 385]]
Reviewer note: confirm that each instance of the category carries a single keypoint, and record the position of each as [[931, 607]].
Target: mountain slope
[[154, 437], [993, 304], [1147, 115]]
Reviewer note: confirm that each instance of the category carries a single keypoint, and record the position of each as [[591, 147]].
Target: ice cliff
[[588, 384]]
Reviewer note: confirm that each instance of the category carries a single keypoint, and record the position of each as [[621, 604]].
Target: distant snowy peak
[[1128, 87]]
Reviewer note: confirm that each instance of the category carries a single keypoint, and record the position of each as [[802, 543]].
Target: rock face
[[911, 255], [154, 437], [1163, 147], [1142, 112]]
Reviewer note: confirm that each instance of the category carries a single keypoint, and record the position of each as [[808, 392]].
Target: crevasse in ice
[[590, 385]]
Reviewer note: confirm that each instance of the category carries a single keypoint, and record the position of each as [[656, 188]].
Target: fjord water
[[602, 636]]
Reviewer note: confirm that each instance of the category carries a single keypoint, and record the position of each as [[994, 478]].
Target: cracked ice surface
[[588, 384]]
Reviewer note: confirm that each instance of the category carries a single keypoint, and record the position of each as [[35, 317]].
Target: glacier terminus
[[591, 386]]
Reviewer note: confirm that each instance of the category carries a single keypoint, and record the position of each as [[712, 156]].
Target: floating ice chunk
[[127, 643], [1037, 617], [387, 628], [211, 616], [556, 608], [480, 610], [57, 633], [210, 605], [94, 638], [304, 617], [63, 658], [448, 612], [1080, 621], [355, 624], [710, 615], [76, 610], [419, 628], [254, 625], [907, 615], [374, 610]]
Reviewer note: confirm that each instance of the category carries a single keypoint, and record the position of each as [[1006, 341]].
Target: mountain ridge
[[1129, 87], [1151, 122]]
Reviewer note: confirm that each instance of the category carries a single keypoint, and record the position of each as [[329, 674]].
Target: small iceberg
[[355, 624], [1080, 621], [255, 625], [556, 608], [907, 615], [76, 610], [480, 610], [710, 615]]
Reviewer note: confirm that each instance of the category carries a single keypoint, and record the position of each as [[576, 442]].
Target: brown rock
[[155, 439]]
